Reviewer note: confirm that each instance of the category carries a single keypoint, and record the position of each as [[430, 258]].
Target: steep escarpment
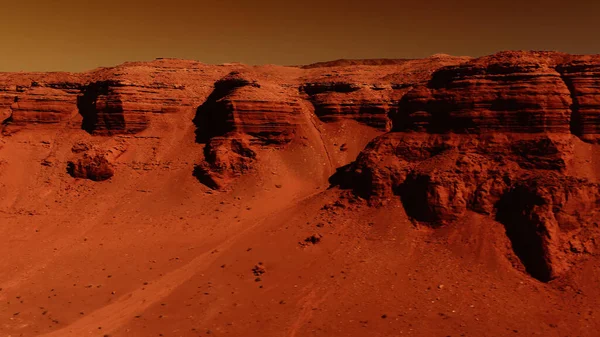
[[582, 76], [125, 99], [39, 98], [492, 136], [107, 101], [368, 104], [247, 109], [104, 110], [243, 102], [353, 91], [507, 92], [171, 196]]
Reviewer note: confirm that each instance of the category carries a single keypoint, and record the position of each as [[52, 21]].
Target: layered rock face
[[511, 90], [582, 76], [44, 105], [105, 109], [497, 135], [115, 100], [368, 104], [341, 93], [508, 92], [241, 103], [39, 98], [494, 136], [124, 99]]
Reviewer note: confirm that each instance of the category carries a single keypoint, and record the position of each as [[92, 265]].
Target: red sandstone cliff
[[447, 195], [500, 135]]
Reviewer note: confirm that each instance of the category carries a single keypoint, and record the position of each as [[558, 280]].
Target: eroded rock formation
[[495, 135], [499, 135], [340, 93], [92, 166], [39, 98], [224, 160], [242, 102], [582, 76]]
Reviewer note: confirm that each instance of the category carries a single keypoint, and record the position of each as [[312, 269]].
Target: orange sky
[[78, 35]]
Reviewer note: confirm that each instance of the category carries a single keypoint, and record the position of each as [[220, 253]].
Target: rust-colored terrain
[[446, 196]]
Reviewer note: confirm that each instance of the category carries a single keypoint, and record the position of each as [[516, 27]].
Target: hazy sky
[[77, 35]]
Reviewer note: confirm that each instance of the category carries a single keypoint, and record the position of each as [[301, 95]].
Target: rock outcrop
[[495, 135], [368, 104], [92, 166], [224, 160], [351, 90], [39, 98], [551, 220], [242, 103], [522, 181], [582, 76], [117, 100], [125, 99], [44, 105], [107, 108], [506, 92]]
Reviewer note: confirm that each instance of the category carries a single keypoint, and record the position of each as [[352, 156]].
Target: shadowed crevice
[[111, 118], [515, 210], [214, 117], [413, 194], [576, 120]]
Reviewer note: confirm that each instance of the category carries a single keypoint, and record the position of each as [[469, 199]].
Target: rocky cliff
[[39, 98], [502, 135], [251, 103], [512, 136]]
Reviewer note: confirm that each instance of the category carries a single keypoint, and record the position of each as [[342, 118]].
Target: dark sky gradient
[[46, 35]]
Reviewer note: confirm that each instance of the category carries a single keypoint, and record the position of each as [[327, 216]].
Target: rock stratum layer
[[510, 136]]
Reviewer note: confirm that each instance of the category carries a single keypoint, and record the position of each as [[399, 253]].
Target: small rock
[[311, 240], [259, 269], [80, 147]]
